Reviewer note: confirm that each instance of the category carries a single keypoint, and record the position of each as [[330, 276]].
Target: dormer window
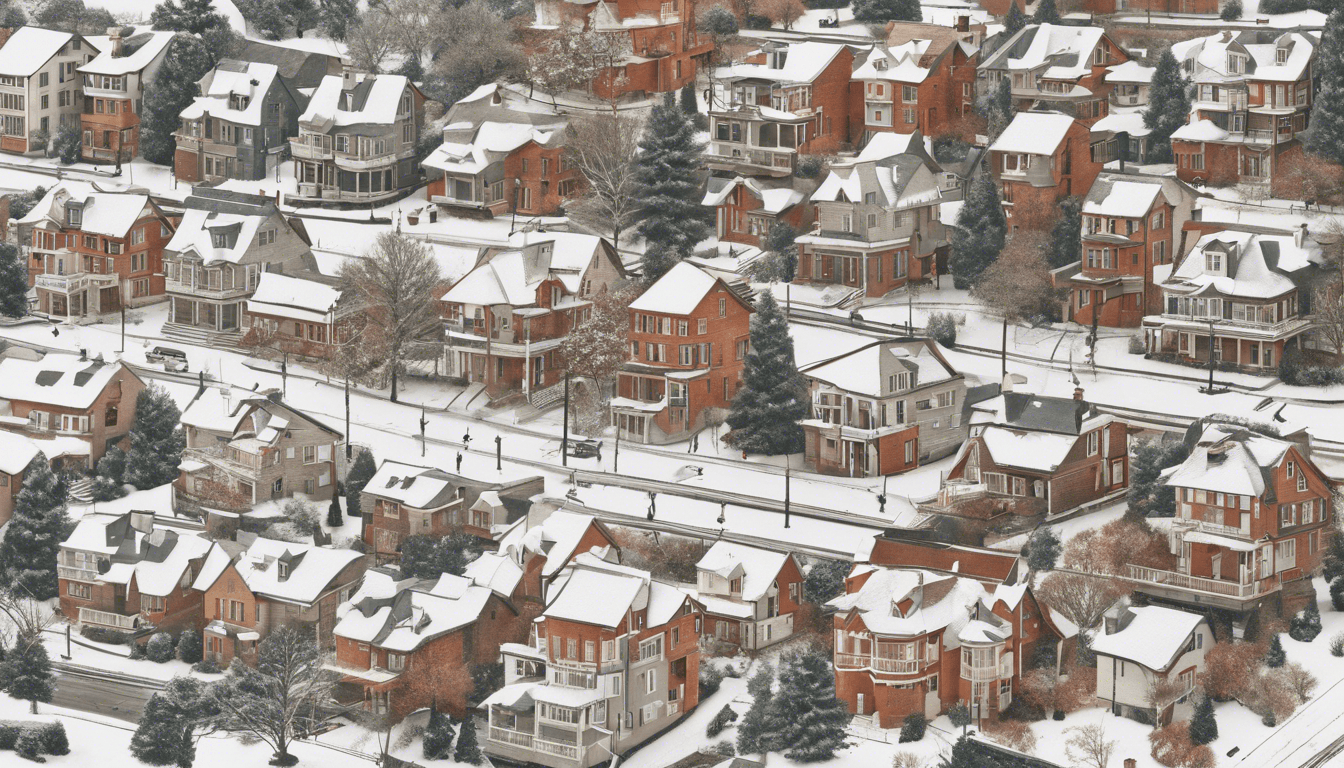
[[282, 570], [777, 59], [1213, 262], [1281, 55], [735, 586], [898, 382], [74, 217], [880, 65], [238, 101], [1235, 65], [347, 101], [219, 240]]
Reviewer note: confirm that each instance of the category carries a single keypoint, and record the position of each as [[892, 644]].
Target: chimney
[[83, 353], [114, 41], [963, 23], [1300, 236], [1130, 762], [142, 521], [347, 75], [1078, 393]]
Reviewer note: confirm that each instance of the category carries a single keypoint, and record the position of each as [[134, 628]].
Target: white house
[[749, 594], [1144, 646]]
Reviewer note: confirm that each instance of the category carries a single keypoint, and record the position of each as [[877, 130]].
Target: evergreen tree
[[1327, 114], [809, 718], [825, 580], [108, 473], [428, 557], [960, 715], [1066, 237], [1014, 21], [780, 262], [753, 733], [54, 739], [913, 727], [721, 720], [1231, 11], [157, 440], [668, 183], [1203, 726], [881, 11], [13, 282], [965, 755], [687, 99], [438, 739], [999, 109], [168, 724], [361, 471], [27, 671], [66, 145], [979, 234], [1043, 549], [1149, 495], [189, 647], [1305, 626], [35, 532], [191, 16], [336, 16], [1337, 594], [159, 648], [1169, 106], [1046, 13], [658, 259], [773, 398], [172, 90], [468, 750], [334, 518], [1275, 657]]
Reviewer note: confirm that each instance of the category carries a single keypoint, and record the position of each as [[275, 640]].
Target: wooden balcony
[[108, 619], [1188, 583]]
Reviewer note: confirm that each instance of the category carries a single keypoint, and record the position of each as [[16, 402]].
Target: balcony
[[878, 663], [531, 742], [1188, 583], [74, 283], [980, 674], [1188, 524], [108, 619], [311, 147], [76, 574], [205, 290]]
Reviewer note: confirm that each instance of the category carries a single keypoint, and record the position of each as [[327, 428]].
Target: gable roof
[[30, 48], [512, 276], [1034, 133], [416, 487], [1039, 413], [1110, 196], [557, 538], [1063, 51], [230, 78], [58, 379], [679, 291], [863, 371], [238, 226], [111, 214], [758, 567], [289, 62], [1153, 637], [293, 297], [936, 602], [1231, 459], [1255, 264], [312, 569], [776, 195], [374, 99], [803, 63], [151, 45], [992, 565], [1260, 47], [403, 618]]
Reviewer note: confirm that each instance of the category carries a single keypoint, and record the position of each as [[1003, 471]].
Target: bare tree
[[598, 347], [574, 58], [411, 21], [1327, 309], [474, 46], [372, 39], [396, 283], [1302, 682], [1162, 693], [782, 12], [1087, 745], [604, 148], [1017, 285], [1081, 598]]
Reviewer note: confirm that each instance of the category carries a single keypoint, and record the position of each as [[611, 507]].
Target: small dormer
[[775, 59], [880, 64], [239, 101], [1236, 62], [1215, 261], [74, 213]]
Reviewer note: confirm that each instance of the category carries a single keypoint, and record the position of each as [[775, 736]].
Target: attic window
[[1213, 262], [1234, 64], [880, 65], [238, 101], [74, 217], [219, 240], [282, 570], [1280, 55], [348, 100]]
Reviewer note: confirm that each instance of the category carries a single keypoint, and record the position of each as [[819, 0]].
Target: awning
[[1226, 542]]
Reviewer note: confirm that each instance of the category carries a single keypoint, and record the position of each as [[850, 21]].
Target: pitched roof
[[288, 61], [864, 371], [557, 537], [230, 78], [1041, 413], [417, 487], [374, 99], [111, 214], [1153, 637], [758, 567], [310, 569], [1260, 48], [294, 298], [1110, 196], [57, 379], [29, 48], [511, 276], [1064, 51], [1257, 265], [17, 452], [678, 292], [776, 195], [148, 46], [936, 602], [1231, 459], [1034, 133], [803, 63], [411, 615]]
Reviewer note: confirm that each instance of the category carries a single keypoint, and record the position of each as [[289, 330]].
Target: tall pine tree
[[658, 260], [879, 11], [27, 673], [667, 179], [1203, 726], [361, 472], [1327, 114], [1275, 656], [171, 91], [1169, 106], [13, 282], [166, 734], [979, 235], [1015, 20], [1066, 237], [156, 440], [765, 413], [35, 532], [1046, 13], [438, 740], [999, 109], [468, 750], [192, 16], [754, 732], [809, 718]]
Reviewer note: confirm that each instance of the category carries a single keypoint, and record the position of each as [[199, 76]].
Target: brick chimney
[[1130, 762], [114, 41], [963, 23]]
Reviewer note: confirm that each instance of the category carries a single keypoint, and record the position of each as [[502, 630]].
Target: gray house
[[239, 127], [298, 68]]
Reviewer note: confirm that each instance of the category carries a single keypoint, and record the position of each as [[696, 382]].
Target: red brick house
[[883, 409], [70, 405], [784, 101], [1143, 7], [618, 657], [1242, 289], [749, 595], [297, 315], [689, 334], [506, 320], [1055, 66], [916, 641], [1131, 226], [1039, 159], [114, 84], [548, 540], [403, 500], [397, 641], [89, 252], [250, 590], [921, 79], [657, 44], [122, 572], [878, 224], [502, 153], [1253, 513], [1031, 454], [1253, 96], [746, 208]]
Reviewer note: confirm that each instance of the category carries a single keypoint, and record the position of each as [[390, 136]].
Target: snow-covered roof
[[758, 568], [889, 144], [160, 577], [294, 298], [17, 452], [1153, 637], [598, 597], [155, 560], [374, 99], [1064, 51], [1122, 122], [512, 276], [215, 410], [557, 538], [1251, 265], [678, 292], [308, 570], [1259, 51], [413, 486], [413, 615], [1130, 72], [865, 371], [1037, 451], [1200, 130], [111, 214], [196, 232], [57, 379], [1230, 459], [150, 48], [899, 602], [890, 180], [1034, 133], [896, 64], [774, 199], [249, 81], [803, 63], [496, 571], [29, 49], [490, 142], [1128, 199]]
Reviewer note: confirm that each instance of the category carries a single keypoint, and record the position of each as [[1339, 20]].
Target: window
[[75, 589], [701, 326], [909, 95], [743, 345], [153, 603], [396, 662], [651, 681], [723, 307], [1093, 443]]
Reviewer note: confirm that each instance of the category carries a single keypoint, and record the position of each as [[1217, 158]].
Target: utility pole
[[423, 423], [284, 375], [499, 453], [1212, 362], [121, 300], [787, 465], [347, 420], [564, 441], [616, 462]]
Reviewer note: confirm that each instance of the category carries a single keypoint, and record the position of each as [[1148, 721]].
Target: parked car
[[585, 449], [172, 359]]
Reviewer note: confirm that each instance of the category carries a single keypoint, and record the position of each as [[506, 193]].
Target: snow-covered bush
[[912, 729], [159, 648], [942, 328]]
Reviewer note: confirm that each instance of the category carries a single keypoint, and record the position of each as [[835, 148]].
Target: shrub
[[1300, 681], [942, 328], [1337, 645], [189, 647], [1271, 694], [711, 677], [1014, 734], [137, 652], [9, 735], [906, 760], [159, 648], [1171, 747], [54, 740], [1337, 593], [1275, 657], [105, 635], [1231, 11], [721, 720], [726, 749], [30, 745], [808, 166], [1306, 625], [913, 727], [1136, 345], [206, 667]]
